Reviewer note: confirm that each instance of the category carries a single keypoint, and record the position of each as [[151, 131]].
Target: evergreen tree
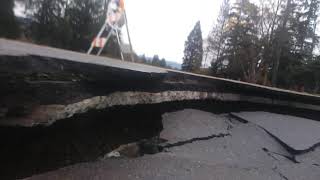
[[163, 63], [304, 24], [242, 43], [193, 51], [69, 24], [85, 19], [8, 25], [276, 39], [270, 19], [217, 39], [143, 59], [49, 26], [155, 60], [294, 41]]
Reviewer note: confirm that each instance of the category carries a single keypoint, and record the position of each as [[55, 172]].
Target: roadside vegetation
[[270, 42], [273, 42]]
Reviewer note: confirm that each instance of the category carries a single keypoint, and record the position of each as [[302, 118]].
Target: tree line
[[270, 42], [67, 24], [155, 61], [273, 42]]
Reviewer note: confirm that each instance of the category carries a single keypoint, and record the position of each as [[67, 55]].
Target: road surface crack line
[[290, 158], [275, 169], [181, 143], [315, 164]]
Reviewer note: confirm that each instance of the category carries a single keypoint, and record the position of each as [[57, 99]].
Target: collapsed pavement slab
[[246, 145], [189, 124], [299, 134], [238, 156], [312, 157], [300, 171], [243, 148]]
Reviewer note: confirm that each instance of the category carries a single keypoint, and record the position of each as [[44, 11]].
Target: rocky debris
[[113, 154], [131, 150], [48, 114], [137, 149], [82, 138], [298, 134]]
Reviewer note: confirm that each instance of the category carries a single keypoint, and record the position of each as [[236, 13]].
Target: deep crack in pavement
[[202, 145], [181, 143], [291, 158]]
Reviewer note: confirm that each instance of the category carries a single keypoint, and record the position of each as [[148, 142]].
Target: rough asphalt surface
[[300, 134], [185, 125], [245, 152], [15, 48]]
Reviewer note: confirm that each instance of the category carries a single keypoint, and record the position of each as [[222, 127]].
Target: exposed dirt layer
[[40, 85], [27, 151]]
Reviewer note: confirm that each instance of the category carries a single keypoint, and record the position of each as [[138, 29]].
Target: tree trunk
[[280, 44], [316, 88]]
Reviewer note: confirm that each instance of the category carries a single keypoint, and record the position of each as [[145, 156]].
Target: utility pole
[[128, 33]]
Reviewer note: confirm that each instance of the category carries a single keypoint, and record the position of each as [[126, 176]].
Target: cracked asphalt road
[[300, 134], [249, 152]]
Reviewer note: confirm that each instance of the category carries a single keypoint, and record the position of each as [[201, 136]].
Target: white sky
[[19, 9], [162, 26]]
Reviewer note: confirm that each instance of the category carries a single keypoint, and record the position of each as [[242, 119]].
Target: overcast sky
[[162, 26]]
